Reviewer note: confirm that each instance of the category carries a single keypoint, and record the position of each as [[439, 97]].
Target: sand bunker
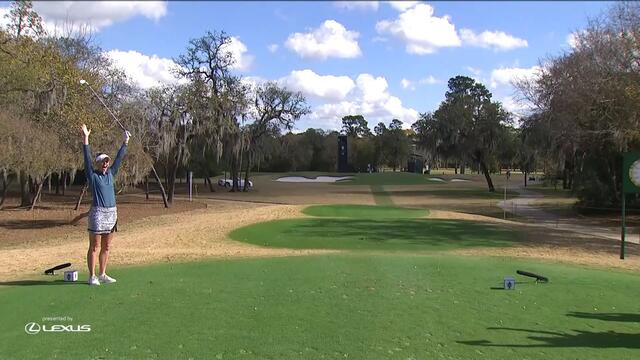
[[460, 180], [319, 179], [436, 179]]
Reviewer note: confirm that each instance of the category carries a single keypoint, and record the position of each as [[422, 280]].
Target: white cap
[[101, 157]]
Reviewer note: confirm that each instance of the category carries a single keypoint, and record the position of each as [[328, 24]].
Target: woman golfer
[[102, 215]]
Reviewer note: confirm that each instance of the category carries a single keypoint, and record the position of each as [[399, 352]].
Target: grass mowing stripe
[[380, 196]]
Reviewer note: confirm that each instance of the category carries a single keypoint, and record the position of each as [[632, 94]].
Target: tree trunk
[[35, 198], [485, 171], [6, 181], [207, 180], [82, 192], [246, 175], [236, 169], [164, 194], [49, 184], [146, 187], [526, 174], [64, 182], [166, 174], [25, 195], [57, 183], [233, 174], [174, 173]]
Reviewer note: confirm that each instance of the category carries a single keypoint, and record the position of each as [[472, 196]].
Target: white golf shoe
[[106, 279], [93, 280]]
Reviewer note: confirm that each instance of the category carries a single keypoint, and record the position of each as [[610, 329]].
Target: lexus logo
[[32, 328]]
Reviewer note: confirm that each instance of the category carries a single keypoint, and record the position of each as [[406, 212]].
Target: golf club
[[52, 270], [84, 82], [539, 278]]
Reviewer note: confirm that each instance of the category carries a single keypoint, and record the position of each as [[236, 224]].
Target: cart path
[[524, 205]]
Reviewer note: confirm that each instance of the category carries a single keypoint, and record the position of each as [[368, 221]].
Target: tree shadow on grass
[[621, 317], [578, 338], [38, 282], [416, 232], [378, 233]]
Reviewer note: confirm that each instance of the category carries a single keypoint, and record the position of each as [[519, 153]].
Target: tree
[[274, 108], [586, 102], [470, 122], [216, 99], [355, 126], [397, 144], [23, 20]]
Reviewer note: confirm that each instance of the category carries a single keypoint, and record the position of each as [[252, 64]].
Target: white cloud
[[497, 40], [331, 39], [407, 84], [370, 98], [372, 89], [430, 80], [3, 20], [325, 87], [517, 107], [253, 81], [145, 71], [403, 5], [505, 76], [357, 5], [238, 50], [379, 39], [573, 38], [95, 15], [422, 32], [411, 84], [273, 48]]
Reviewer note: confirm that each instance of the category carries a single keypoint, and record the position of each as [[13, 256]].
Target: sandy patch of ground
[[552, 245], [267, 190], [453, 215], [182, 236], [319, 179], [568, 255], [55, 218]]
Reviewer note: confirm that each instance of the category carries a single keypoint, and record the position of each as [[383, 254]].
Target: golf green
[[362, 227], [329, 307]]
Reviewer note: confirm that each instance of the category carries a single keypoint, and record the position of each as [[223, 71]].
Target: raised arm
[[88, 165], [123, 149]]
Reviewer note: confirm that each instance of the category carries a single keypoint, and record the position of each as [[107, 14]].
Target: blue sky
[[380, 59]]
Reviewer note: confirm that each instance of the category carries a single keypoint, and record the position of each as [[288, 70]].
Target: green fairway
[[330, 307], [375, 234], [364, 227], [364, 212]]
